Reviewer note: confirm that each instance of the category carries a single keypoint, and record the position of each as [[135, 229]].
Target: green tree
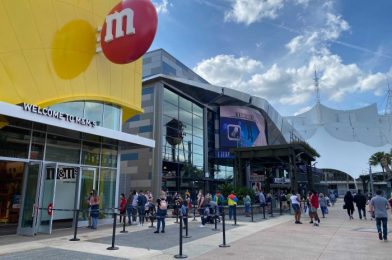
[[381, 159]]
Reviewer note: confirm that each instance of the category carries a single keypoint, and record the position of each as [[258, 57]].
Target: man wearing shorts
[[295, 203]]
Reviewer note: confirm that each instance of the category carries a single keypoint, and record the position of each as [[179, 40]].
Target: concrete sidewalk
[[337, 237], [274, 238]]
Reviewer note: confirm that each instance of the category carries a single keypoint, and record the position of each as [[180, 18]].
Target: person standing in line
[[89, 209], [360, 201], [129, 208], [123, 207], [323, 200], [349, 204], [247, 203], [232, 202], [219, 200], [378, 207], [201, 205], [141, 202], [262, 200], [94, 213], [134, 205], [314, 205], [161, 214], [295, 203], [268, 202], [184, 212]]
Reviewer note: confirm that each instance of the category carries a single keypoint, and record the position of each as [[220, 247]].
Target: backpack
[[163, 205]]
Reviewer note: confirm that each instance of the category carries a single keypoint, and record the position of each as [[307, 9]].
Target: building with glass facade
[[62, 108], [194, 124]]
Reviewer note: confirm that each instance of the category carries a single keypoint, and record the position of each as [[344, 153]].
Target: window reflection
[[109, 156], [90, 153], [73, 108], [62, 149], [111, 117], [14, 142], [191, 116], [37, 146], [107, 190], [94, 111]]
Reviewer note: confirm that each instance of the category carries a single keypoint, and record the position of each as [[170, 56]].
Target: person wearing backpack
[[161, 215]]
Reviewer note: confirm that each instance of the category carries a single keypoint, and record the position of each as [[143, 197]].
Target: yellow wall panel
[[47, 55]]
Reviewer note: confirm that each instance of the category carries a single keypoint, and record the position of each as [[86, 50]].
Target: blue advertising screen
[[241, 127]]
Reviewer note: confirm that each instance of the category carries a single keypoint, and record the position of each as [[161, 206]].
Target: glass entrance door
[[30, 204], [88, 179], [47, 198]]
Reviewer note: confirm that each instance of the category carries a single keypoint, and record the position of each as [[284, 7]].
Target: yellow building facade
[[62, 104]]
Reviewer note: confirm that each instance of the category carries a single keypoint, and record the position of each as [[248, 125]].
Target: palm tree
[[376, 159]]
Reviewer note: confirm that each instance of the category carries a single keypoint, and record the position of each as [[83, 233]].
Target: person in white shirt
[[295, 203]]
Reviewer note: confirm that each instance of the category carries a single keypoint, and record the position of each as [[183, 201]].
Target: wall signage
[[63, 173], [59, 115], [129, 30]]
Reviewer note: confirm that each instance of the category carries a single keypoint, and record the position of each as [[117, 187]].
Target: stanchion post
[[114, 233], [216, 219], [123, 231], [280, 207], [235, 215], [76, 215], [264, 211], [223, 230], [194, 212], [176, 210], [186, 227], [180, 255], [251, 211]]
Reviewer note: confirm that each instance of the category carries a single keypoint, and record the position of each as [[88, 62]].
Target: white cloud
[[226, 70], [250, 11], [290, 85], [162, 6], [311, 41]]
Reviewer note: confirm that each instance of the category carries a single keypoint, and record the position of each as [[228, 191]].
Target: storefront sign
[[63, 173], [129, 30], [59, 115], [281, 180], [256, 178]]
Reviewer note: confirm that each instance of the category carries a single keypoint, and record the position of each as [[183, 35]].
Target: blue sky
[[271, 48]]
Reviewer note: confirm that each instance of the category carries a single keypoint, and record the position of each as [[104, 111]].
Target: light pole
[[371, 180]]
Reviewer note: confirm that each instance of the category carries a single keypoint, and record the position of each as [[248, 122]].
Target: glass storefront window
[[111, 117], [170, 97], [107, 189], [198, 132], [186, 118], [109, 156], [191, 116], [197, 120], [170, 110], [14, 142], [72, 108], [198, 111], [37, 146], [185, 104], [62, 149], [90, 153], [94, 111]]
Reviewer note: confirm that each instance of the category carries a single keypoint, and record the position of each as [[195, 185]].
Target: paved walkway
[[274, 238]]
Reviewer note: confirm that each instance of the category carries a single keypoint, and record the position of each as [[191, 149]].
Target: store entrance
[[11, 179], [49, 197]]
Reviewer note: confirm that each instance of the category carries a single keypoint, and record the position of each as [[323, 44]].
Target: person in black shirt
[[360, 201], [141, 202]]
